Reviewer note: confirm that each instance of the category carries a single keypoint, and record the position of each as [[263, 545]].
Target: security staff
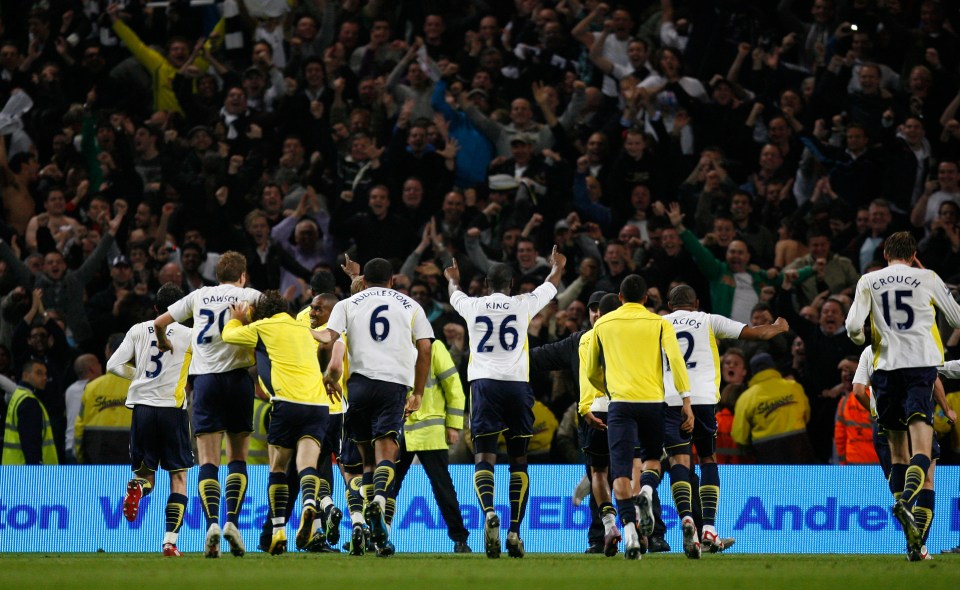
[[27, 435], [427, 435]]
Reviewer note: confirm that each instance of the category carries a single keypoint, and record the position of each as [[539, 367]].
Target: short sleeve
[[725, 327], [182, 310], [421, 327], [338, 318], [864, 367], [540, 297], [459, 301]]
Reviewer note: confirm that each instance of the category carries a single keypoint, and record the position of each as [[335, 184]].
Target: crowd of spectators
[[760, 152]]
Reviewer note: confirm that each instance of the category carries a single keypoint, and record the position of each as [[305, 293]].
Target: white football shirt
[[210, 309], [697, 334], [159, 378], [900, 302], [497, 325], [382, 326]]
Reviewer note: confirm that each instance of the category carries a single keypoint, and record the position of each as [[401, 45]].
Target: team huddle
[[348, 379]]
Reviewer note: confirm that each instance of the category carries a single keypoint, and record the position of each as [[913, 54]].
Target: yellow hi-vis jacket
[[442, 405], [12, 451]]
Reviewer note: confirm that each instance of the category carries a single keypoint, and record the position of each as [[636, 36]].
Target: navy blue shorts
[[375, 410], [290, 422], [331, 440], [704, 435], [903, 395], [350, 457], [629, 424], [223, 402], [501, 406], [160, 437], [593, 443], [882, 446]]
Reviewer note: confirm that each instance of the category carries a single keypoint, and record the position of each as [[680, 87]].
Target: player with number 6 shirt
[[388, 349]]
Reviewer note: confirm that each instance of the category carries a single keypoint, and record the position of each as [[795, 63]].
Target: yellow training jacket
[[286, 357], [625, 356]]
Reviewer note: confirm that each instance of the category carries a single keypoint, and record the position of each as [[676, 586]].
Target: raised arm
[[765, 332], [557, 262]]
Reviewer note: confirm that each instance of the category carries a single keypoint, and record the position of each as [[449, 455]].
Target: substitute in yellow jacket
[[162, 68], [289, 371], [428, 433], [27, 435], [772, 415], [625, 359], [328, 531], [101, 433]]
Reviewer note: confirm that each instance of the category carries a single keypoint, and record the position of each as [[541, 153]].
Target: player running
[[901, 301], [501, 397], [697, 334], [222, 395], [160, 428]]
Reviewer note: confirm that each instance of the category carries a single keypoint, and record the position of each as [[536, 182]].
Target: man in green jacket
[[734, 286]]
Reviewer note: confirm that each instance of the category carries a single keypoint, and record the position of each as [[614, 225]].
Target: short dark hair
[[167, 295], [28, 365], [633, 289], [682, 296], [499, 276], [608, 303], [114, 341], [900, 246], [377, 272], [322, 281], [19, 160], [269, 304]]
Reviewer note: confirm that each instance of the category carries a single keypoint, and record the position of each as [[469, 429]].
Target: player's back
[[629, 339], [210, 309], [160, 377], [497, 325], [287, 360], [697, 334], [382, 326], [902, 315]]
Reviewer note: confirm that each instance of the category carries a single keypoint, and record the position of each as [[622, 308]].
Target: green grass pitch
[[105, 571]]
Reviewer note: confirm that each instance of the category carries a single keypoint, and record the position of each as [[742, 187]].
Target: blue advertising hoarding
[[769, 509]]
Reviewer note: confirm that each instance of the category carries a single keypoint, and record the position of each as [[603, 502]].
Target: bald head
[[170, 273], [87, 366]]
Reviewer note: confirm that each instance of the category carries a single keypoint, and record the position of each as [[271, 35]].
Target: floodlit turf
[[434, 571]]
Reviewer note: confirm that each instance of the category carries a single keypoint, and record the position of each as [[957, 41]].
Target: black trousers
[[436, 464]]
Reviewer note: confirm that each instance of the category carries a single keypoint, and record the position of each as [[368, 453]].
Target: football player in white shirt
[[501, 397], [388, 349], [900, 301], [222, 394], [697, 334], [926, 499], [160, 428]]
